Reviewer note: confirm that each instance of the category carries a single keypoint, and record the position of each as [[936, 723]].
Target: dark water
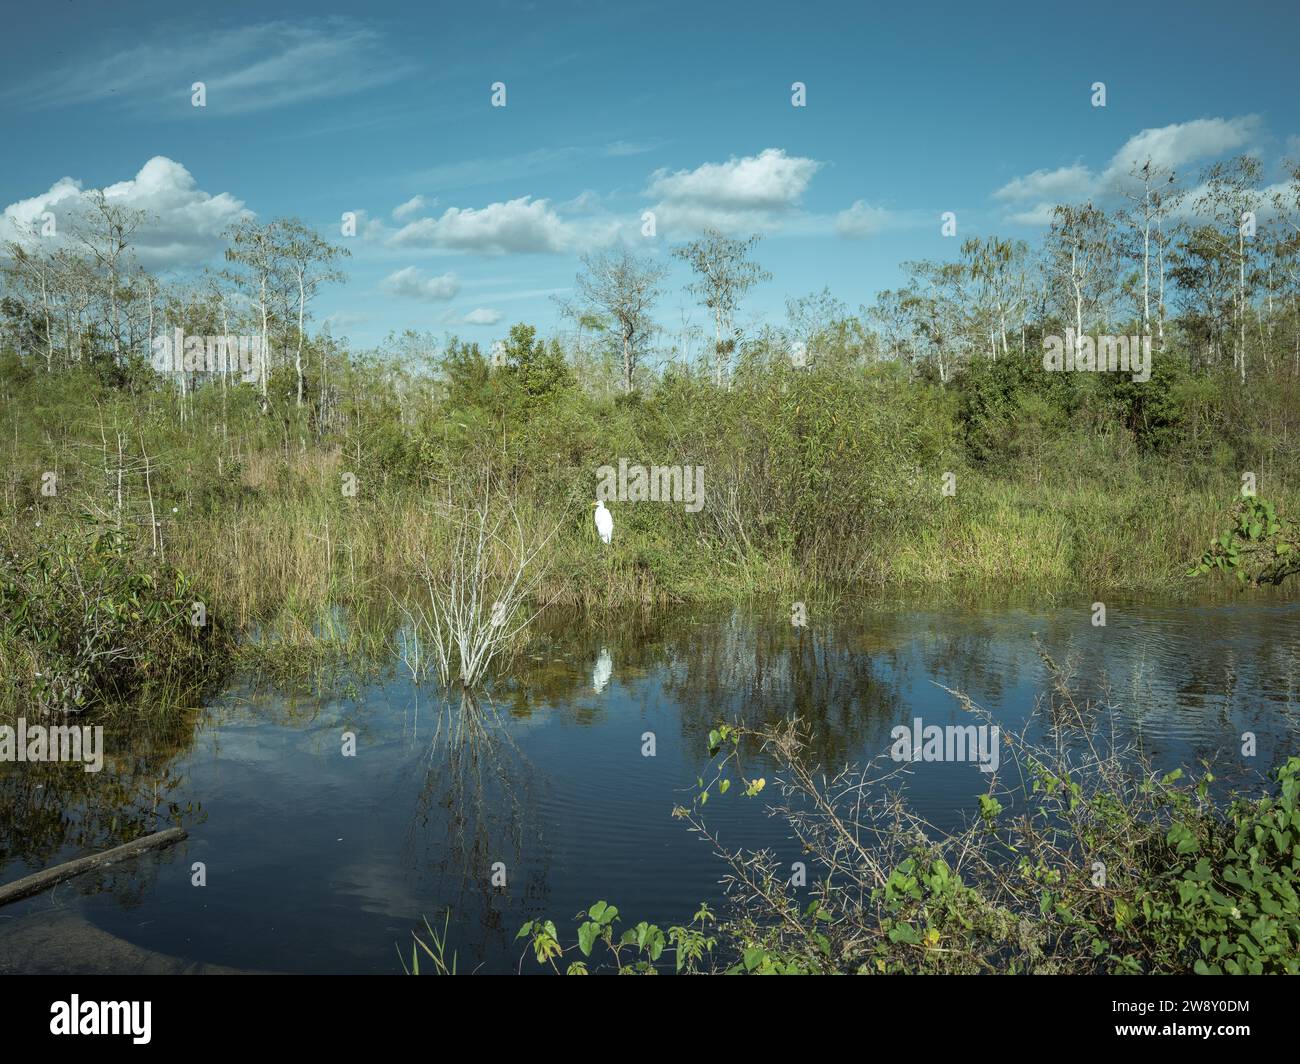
[[318, 862]]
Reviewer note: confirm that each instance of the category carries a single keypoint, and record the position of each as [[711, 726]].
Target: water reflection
[[320, 862], [602, 671], [51, 812]]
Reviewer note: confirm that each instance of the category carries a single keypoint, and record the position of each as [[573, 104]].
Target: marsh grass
[[815, 483], [1068, 535]]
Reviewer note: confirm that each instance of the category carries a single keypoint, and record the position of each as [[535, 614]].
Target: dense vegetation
[[918, 443]]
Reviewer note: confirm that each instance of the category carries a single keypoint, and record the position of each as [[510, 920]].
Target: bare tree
[[105, 229], [624, 286], [1081, 246], [256, 248], [1155, 196], [308, 259], [725, 273], [1230, 194], [990, 264]]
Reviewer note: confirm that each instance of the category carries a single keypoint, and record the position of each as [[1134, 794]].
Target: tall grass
[[814, 480]]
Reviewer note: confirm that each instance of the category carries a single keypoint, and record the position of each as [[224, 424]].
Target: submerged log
[[39, 881]]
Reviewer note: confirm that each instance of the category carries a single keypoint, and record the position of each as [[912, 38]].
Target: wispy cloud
[[415, 205], [245, 69], [861, 220]]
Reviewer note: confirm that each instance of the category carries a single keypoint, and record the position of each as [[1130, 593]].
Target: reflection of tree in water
[[564, 657], [736, 664], [470, 813], [1199, 677], [51, 812], [758, 671], [970, 656]]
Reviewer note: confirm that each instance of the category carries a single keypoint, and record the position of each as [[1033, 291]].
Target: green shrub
[[87, 623]]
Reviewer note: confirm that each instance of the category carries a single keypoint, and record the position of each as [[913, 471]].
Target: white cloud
[[755, 192], [183, 225], [770, 180], [518, 225], [1039, 214], [411, 283], [245, 69], [483, 316], [861, 220], [1061, 185], [1175, 146], [414, 205]]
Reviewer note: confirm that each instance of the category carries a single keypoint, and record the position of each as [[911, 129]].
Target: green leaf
[[588, 933]]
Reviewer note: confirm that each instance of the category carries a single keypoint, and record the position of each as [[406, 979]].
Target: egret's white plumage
[[604, 522], [603, 671]]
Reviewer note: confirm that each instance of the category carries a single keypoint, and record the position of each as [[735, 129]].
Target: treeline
[[1210, 269]]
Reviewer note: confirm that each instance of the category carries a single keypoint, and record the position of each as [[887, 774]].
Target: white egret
[[604, 521]]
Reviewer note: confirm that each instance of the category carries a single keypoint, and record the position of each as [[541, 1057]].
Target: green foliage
[[434, 949], [1238, 906], [1094, 874], [1008, 407], [1262, 547], [637, 951], [85, 623], [538, 368]]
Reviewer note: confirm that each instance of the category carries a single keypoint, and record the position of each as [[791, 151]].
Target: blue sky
[[613, 109]]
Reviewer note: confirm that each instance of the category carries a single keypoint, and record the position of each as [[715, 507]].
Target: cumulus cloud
[[483, 316], [752, 192], [770, 180], [1174, 146], [1062, 185], [411, 283], [518, 225], [183, 224], [1171, 147], [861, 220]]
